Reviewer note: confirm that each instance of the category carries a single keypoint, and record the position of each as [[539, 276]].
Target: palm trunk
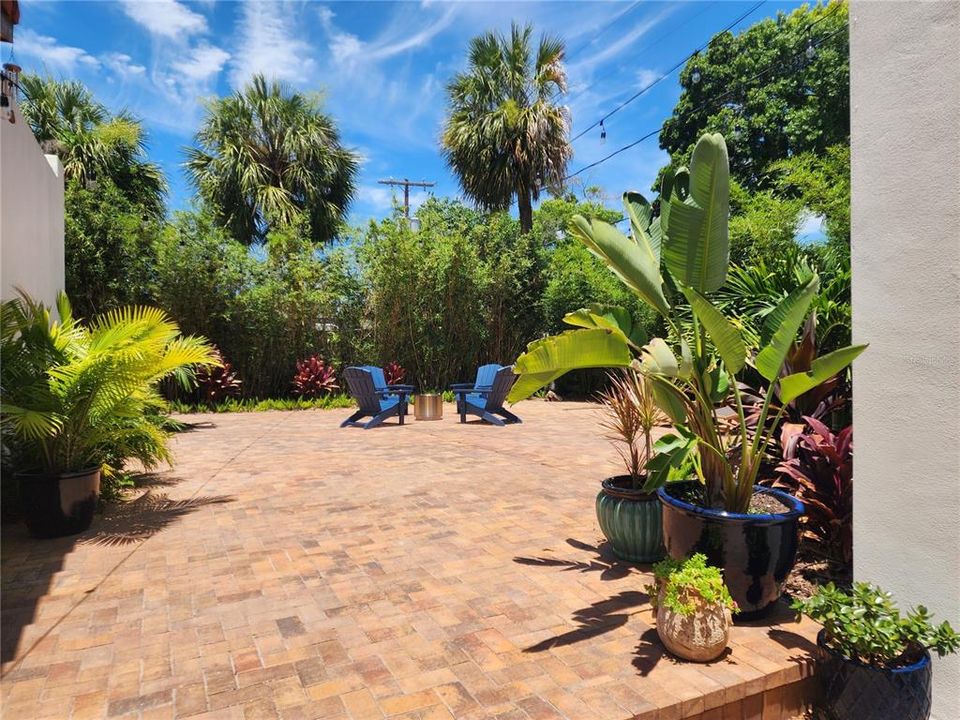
[[525, 206]]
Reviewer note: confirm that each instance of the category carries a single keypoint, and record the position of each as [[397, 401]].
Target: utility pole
[[407, 184]]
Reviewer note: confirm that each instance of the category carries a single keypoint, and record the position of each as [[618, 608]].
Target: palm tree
[[91, 142], [504, 137], [265, 156]]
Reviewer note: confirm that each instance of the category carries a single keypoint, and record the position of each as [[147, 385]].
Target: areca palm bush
[[92, 143], [77, 396], [265, 155], [689, 245], [504, 137]]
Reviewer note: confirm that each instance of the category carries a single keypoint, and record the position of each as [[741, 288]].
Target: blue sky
[[382, 67]]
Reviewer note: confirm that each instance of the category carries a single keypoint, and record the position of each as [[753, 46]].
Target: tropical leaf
[[547, 359], [633, 265], [642, 223], [780, 328], [823, 368], [610, 317], [671, 453], [697, 246], [724, 334]]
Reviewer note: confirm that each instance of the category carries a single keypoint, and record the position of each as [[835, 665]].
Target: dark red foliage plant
[[314, 378], [394, 373], [216, 384], [817, 467]]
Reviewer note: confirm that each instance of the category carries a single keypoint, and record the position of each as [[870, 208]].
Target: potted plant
[[749, 531], [874, 664], [628, 510], [78, 400], [693, 608]]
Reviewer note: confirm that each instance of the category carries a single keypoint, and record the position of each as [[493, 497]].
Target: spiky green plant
[[504, 137], [76, 395]]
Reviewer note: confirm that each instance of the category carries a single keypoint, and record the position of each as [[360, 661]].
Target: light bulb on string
[[811, 51], [695, 76], [603, 133]]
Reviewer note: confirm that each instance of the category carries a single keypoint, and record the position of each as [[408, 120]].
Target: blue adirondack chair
[[487, 401], [371, 402], [485, 375], [380, 382]]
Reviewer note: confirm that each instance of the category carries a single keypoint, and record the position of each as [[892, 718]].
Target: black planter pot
[[853, 690], [755, 552], [58, 505]]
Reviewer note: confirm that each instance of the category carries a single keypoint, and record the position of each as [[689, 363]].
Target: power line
[[680, 64], [660, 38], [713, 100]]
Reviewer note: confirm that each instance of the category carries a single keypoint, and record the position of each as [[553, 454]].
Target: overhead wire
[[712, 101], [666, 74]]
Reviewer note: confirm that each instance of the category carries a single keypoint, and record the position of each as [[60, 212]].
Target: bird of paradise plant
[[686, 247]]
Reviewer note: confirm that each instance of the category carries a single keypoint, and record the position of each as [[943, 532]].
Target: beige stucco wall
[[31, 214], [905, 100]]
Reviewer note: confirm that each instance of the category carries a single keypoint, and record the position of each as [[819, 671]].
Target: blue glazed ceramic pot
[[630, 520], [756, 552], [853, 690]]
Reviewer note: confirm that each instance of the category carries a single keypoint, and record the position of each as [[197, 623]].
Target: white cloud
[[202, 62], [268, 43], [623, 43], [64, 58], [646, 77], [165, 18], [122, 65]]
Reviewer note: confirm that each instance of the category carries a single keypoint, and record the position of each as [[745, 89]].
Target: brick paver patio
[[286, 568]]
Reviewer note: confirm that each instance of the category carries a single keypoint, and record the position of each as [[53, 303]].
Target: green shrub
[[264, 308], [684, 582]]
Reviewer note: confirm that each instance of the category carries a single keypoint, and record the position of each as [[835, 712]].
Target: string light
[[811, 50], [603, 133], [703, 105]]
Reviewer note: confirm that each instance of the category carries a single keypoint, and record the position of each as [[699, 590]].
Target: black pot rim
[[913, 667], [625, 493], [796, 507], [59, 476]]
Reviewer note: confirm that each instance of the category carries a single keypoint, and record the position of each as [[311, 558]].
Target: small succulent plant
[[219, 382], [314, 378]]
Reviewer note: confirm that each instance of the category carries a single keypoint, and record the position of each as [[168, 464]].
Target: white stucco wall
[[31, 214], [905, 100]]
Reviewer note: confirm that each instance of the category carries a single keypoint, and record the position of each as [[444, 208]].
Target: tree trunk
[[525, 206]]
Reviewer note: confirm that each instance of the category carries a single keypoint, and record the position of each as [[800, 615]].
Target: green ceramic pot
[[630, 520]]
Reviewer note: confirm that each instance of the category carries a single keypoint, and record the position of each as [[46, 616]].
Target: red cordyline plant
[[818, 468], [217, 383], [394, 373], [314, 378]]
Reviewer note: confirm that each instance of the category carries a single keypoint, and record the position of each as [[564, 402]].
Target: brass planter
[[428, 406]]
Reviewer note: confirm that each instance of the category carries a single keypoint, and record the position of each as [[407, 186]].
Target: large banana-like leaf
[[725, 336], [697, 247], [822, 369], [669, 398], [672, 451], [610, 317], [634, 266], [547, 359], [657, 358], [781, 327], [642, 223]]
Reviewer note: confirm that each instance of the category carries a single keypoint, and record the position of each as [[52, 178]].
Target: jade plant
[[683, 586], [693, 371], [865, 625]]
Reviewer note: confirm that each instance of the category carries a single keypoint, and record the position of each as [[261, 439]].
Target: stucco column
[[905, 137]]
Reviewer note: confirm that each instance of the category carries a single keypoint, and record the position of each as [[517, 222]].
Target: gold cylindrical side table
[[428, 406]]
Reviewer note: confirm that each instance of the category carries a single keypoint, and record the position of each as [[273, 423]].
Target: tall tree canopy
[[92, 143], [504, 137], [266, 155], [800, 105]]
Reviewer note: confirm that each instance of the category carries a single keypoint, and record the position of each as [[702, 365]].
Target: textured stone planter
[[700, 637], [630, 520]]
